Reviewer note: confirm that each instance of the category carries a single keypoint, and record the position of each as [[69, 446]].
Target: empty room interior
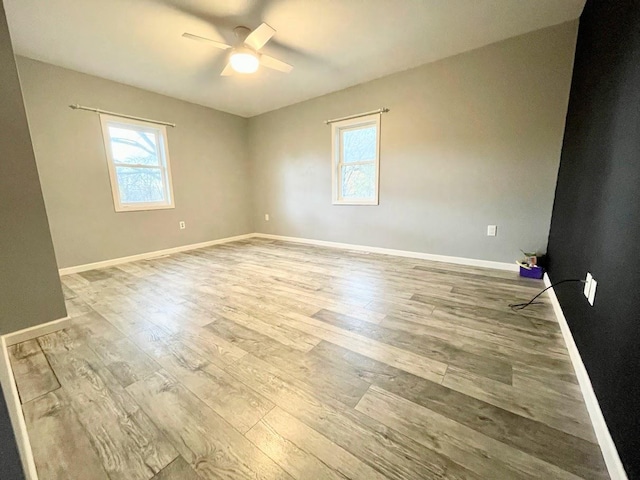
[[319, 239]]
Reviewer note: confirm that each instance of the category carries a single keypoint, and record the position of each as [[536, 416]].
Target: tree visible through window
[[138, 164], [356, 160]]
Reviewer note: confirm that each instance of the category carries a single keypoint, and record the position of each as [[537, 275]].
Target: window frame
[[336, 159], [160, 132]]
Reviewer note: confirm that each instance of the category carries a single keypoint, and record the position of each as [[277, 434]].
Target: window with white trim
[[138, 159], [356, 160]]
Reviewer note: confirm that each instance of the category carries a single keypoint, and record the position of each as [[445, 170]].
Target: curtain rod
[[122, 115], [357, 115]]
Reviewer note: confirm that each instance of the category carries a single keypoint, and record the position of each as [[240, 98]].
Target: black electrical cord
[[522, 306]]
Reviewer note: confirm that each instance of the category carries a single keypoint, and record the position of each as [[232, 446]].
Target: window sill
[[355, 202], [141, 208]]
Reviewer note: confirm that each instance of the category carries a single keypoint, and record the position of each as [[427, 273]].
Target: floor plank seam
[[48, 362], [39, 397], [444, 375], [259, 420]]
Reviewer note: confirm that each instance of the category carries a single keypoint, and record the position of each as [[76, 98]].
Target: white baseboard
[[472, 262], [14, 408], [144, 256], [609, 451], [36, 331]]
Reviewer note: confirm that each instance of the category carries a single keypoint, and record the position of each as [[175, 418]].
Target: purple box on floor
[[535, 272]]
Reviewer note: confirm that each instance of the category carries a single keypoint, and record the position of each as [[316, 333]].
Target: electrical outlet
[[587, 285], [266, 217], [592, 291], [182, 225], [492, 230]]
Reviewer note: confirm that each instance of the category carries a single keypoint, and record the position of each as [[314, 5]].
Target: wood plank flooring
[[263, 359]]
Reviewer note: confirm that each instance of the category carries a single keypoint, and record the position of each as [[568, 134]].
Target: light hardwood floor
[[265, 359]]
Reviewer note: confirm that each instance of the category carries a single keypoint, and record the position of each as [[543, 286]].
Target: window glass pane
[[358, 181], [133, 146], [359, 145], [140, 185]]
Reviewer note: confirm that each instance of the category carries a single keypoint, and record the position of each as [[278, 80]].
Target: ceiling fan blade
[[228, 70], [275, 64], [259, 36], [213, 43]]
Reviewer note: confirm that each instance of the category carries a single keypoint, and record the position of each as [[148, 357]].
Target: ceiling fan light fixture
[[244, 61], [245, 58]]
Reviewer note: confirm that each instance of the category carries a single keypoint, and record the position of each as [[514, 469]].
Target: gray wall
[[209, 164], [471, 140], [30, 291]]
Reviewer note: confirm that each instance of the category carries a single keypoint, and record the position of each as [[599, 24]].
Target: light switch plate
[[592, 291], [492, 230], [587, 285]]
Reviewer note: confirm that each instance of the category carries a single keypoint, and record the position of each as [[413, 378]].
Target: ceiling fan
[[245, 56]]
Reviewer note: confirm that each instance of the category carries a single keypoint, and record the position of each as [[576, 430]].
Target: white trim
[[144, 256], [14, 407], [609, 451], [160, 132], [511, 267], [336, 157], [36, 331]]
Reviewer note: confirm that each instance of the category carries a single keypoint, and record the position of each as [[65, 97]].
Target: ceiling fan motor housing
[[241, 34]]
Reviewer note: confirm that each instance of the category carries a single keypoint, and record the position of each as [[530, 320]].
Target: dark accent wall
[[10, 466], [595, 225], [30, 290]]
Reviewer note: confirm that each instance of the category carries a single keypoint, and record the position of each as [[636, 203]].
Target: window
[[138, 159], [356, 160]]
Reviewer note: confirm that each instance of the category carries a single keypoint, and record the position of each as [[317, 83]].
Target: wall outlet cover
[[182, 225], [592, 291], [266, 217], [587, 285], [492, 230]]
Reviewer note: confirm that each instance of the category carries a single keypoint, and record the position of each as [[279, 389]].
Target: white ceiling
[[332, 44]]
